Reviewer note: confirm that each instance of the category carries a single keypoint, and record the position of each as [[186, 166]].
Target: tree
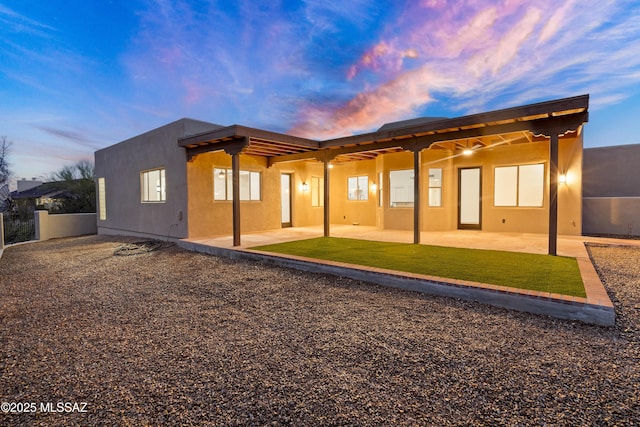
[[6, 204], [78, 182], [5, 172], [82, 169]]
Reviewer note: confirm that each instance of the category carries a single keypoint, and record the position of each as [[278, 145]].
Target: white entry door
[[470, 198], [285, 197]]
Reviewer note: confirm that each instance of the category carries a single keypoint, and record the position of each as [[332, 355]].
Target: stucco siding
[[121, 166], [611, 192], [209, 217]]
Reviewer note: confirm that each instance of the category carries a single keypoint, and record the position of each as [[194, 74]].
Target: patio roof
[[529, 123], [522, 124], [248, 140]]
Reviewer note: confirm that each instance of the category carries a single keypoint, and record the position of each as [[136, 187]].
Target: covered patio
[[547, 121]]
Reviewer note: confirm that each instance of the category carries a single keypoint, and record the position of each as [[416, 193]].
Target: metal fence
[[18, 229]]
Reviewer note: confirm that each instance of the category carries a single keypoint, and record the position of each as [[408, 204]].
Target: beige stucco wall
[[505, 219], [208, 217], [303, 214], [121, 164], [344, 211], [529, 219], [64, 225]]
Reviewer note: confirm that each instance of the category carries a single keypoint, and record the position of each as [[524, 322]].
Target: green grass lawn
[[545, 273]]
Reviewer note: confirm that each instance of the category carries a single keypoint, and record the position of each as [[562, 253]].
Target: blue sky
[[78, 75]]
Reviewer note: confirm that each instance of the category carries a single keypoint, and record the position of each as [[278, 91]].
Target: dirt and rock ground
[[96, 333]]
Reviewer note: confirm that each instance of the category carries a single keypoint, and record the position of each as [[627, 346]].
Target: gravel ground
[[170, 337]]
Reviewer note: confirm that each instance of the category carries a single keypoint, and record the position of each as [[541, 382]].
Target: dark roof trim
[[540, 119], [509, 115], [237, 131]]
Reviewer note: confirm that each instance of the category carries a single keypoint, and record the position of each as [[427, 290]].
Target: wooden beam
[[235, 174], [576, 105], [422, 142], [553, 193], [235, 146], [237, 131], [192, 153], [327, 217], [416, 197]]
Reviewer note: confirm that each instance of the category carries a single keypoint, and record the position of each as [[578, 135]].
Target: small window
[[401, 188], [153, 186], [317, 191], [102, 199], [223, 185], [358, 188], [435, 187], [521, 186]]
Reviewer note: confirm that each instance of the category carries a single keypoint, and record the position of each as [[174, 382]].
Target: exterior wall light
[[304, 187], [562, 179], [374, 187]]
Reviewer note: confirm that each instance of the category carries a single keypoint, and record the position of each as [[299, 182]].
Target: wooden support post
[[416, 196], [235, 179], [327, 218], [553, 193]]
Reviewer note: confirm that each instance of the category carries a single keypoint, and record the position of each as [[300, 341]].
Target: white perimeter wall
[[64, 225]]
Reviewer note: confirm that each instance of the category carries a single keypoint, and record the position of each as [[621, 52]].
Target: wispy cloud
[[204, 59], [479, 55], [76, 136], [17, 22]]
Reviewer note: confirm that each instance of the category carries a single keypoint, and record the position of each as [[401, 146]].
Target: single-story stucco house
[[516, 170]]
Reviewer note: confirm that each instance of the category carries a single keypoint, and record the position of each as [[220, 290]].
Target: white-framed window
[[153, 186], [358, 187], [102, 199], [401, 188], [250, 183], [317, 191], [435, 187], [521, 186]]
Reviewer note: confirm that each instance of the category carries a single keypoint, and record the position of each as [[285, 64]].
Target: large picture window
[[521, 186], [358, 188], [223, 185], [317, 191], [435, 187], [153, 186], [401, 188]]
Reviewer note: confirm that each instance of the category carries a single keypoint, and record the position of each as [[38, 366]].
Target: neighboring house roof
[[51, 190]]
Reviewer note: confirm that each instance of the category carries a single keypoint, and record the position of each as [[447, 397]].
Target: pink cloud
[[389, 102], [470, 53], [554, 24]]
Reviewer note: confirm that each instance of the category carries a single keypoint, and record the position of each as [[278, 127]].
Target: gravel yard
[[170, 337]]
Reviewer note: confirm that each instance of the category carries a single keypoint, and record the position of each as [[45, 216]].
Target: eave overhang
[[522, 124]]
